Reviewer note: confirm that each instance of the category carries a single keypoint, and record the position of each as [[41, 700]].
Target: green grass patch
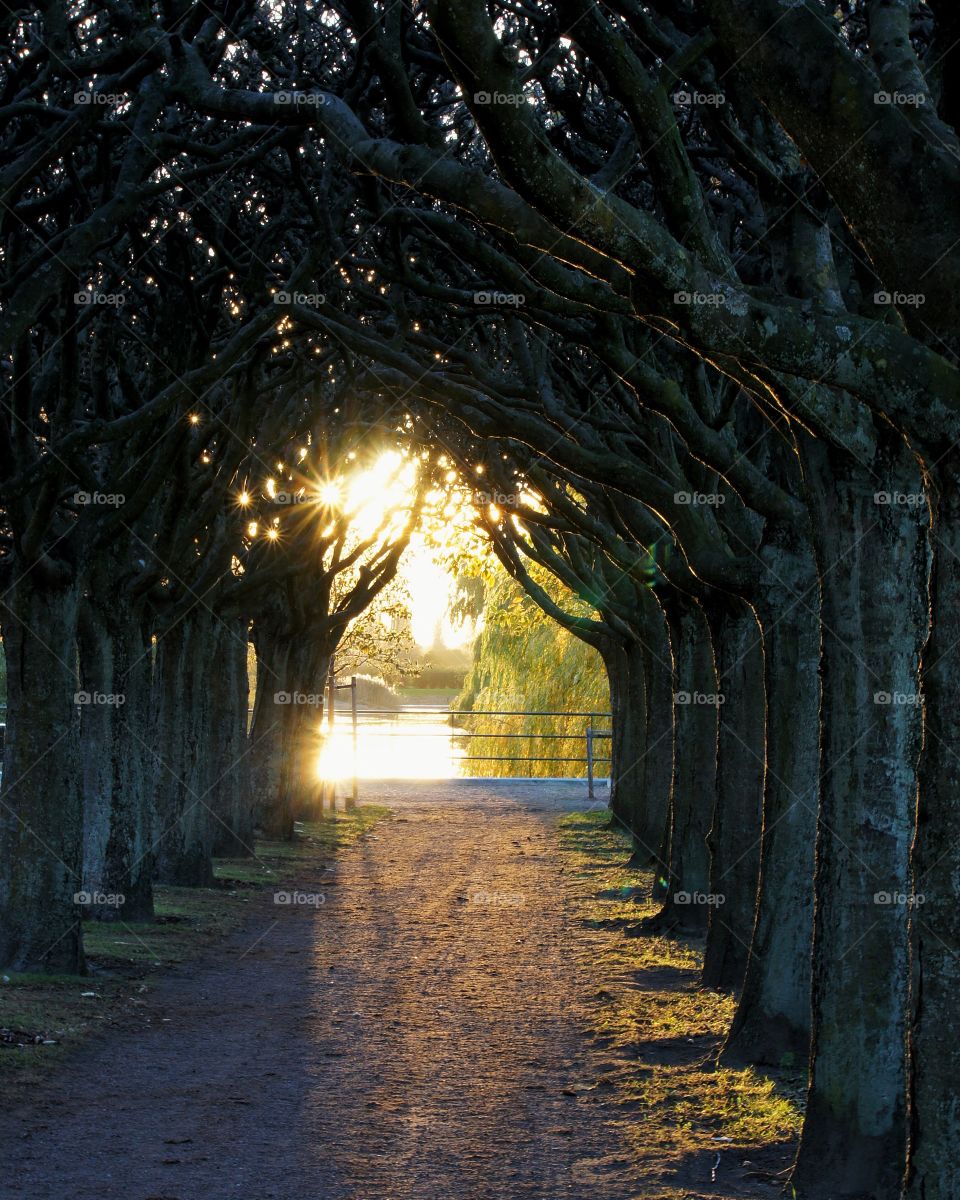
[[275, 861], [650, 1006], [42, 1017]]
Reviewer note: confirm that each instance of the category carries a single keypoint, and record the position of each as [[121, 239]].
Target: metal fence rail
[[453, 718], [590, 759]]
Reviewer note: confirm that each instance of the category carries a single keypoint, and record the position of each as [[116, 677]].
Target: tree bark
[[119, 819], [233, 803], [186, 682], [872, 564], [687, 896], [41, 809], [285, 734], [659, 757], [934, 1044], [628, 707], [772, 1021], [734, 838]]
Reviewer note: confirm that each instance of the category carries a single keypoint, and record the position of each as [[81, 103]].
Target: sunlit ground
[[416, 746]]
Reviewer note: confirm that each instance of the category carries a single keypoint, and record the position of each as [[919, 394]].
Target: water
[[416, 743]]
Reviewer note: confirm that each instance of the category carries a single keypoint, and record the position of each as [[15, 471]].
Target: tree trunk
[[119, 819], [772, 1021], [186, 682], [658, 759], [934, 1047], [734, 838], [285, 734], [41, 809], [233, 832], [696, 701], [872, 563], [628, 708]]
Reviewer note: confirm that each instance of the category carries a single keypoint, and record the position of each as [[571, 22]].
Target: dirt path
[[418, 1036]]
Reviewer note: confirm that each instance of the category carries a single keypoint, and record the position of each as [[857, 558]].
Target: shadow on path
[[418, 1035]]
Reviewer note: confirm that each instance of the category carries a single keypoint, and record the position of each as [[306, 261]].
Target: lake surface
[[416, 743]]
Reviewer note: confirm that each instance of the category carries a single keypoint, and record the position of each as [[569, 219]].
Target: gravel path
[[416, 1037]]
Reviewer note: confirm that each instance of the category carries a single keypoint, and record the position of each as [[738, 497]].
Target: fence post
[[590, 760], [353, 715], [331, 696]]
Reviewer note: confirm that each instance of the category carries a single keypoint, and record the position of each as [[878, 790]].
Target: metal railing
[[590, 735]]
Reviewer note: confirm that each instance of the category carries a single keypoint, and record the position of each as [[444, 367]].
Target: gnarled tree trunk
[[285, 734], [232, 803], [696, 700], [658, 757], [116, 737], [872, 558], [934, 1044], [734, 838], [41, 810], [187, 681], [623, 660], [772, 1021]]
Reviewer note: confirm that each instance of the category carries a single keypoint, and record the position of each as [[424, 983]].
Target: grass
[[44, 1017], [665, 1030]]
